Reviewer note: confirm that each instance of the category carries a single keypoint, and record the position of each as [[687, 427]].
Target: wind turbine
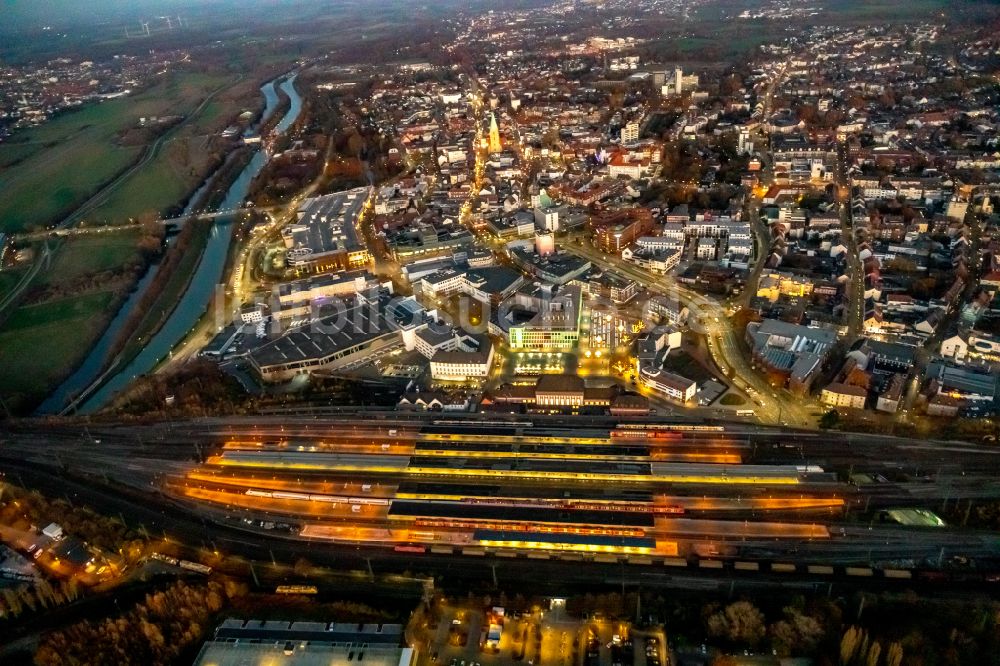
[[145, 27], [170, 26], [180, 23]]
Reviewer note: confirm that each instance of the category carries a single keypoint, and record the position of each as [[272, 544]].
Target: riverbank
[[152, 292], [106, 359], [173, 278], [65, 309], [202, 287]]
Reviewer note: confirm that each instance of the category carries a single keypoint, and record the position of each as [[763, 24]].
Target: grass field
[[61, 163], [8, 280], [164, 182], [83, 255], [867, 10], [155, 187], [732, 400], [41, 344], [13, 153]]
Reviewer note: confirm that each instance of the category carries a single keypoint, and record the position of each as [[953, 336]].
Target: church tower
[[495, 146]]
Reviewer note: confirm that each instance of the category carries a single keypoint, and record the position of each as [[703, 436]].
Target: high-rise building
[[545, 244], [495, 145], [744, 144], [630, 133], [678, 81]]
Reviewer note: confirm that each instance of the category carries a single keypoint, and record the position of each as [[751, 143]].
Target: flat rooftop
[[277, 643], [328, 223], [631, 450], [518, 514], [280, 653], [564, 539], [324, 339], [343, 633], [596, 467], [513, 490]]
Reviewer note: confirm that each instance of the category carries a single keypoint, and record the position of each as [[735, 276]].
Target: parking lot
[[542, 636]]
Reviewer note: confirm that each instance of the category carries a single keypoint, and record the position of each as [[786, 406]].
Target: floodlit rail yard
[[468, 493], [661, 494]]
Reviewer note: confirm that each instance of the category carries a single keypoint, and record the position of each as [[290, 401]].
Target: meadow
[[50, 170], [41, 344]]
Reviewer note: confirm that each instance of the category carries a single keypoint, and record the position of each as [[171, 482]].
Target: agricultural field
[[41, 344], [50, 170], [72, 299]]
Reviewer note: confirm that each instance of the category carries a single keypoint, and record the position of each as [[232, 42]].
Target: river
[[195, 299]]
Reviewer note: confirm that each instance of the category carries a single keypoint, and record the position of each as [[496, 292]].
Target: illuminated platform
[[523, 468], [544, 540], [480, 512]]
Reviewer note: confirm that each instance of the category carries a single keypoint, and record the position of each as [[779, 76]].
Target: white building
[[675, 387], [659, 243], [706, 248], [547, 219], [630, 166], [844, 395], [977, 349], [744, 143], [672, 311], [252, 314], [442, 283], [673, 231], [462, 364]]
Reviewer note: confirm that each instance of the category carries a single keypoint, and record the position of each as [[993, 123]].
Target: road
[[762, 235], [240, 280], [44, 260], [774, 405]]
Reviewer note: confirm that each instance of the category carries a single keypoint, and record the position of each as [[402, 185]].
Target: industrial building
[[363, 329], [280, 643]]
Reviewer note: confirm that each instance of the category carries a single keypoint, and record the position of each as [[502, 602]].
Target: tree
[[740, 622], [807, 113], [808, 630], [849, 644], [724, 660], [731, 85], [874, 652], [894, 656], [829, 420], [858, 377]]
